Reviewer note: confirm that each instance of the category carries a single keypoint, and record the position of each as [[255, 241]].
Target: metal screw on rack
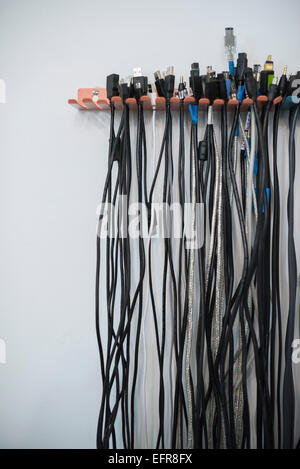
[[95, 95]]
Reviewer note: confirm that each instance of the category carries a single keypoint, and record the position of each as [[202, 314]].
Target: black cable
[[153, 303], [288, 382], [142, 258], [120, 255], [200, 419], [230, 436], [179, 394], [276, 303], [260, 328], [113, 150]]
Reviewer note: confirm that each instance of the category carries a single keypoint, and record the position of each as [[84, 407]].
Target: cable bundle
[[229, 380]]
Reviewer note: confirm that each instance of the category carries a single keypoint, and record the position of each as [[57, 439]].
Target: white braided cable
[[191, 276]]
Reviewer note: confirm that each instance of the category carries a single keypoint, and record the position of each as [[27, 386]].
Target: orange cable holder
[[95, 99]]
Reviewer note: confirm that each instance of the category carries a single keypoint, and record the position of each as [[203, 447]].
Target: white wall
[[53, 161]]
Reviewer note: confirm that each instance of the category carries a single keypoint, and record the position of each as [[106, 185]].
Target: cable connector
[[283, 83], [165, 83], [140, 83], [230, 48], [267, 76], [196, 82], [269, 64], [152, 95], [251, 85], [112, 85], [227, 77], [169, 82], [159, 84], [230, 43], [125, 90], [223, 89], [182, 91], [273, 92], [137, 72], [241, 69], [211, 85], [257, 72], [233, 90]]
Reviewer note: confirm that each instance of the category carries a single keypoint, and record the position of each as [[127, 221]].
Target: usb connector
[[140, 83]]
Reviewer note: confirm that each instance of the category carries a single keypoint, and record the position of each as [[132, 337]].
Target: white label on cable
[[2, 92], [248, 122]]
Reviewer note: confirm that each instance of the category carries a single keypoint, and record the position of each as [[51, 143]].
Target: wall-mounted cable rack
[[95, 99]]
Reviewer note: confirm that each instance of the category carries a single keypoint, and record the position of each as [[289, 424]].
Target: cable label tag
[[248, 122]]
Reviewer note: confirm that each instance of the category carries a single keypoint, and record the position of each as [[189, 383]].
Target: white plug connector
[[230, 43], [137, 72]]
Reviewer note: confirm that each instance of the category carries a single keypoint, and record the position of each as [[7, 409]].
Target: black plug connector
[[140, 84], [222, 86], [196, 82], [125, 90], [212, 89], [112, 85], [273, 92], [283, 83], [169, 82], [264, 82], [241, 68], [211, 85], [251, 85], [160, 84]]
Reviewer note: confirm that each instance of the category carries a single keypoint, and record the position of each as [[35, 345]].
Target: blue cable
[[231, 68], [194, 110], [268, 198], [228, 87], [255, 169], [237, 130], [240, 93]]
